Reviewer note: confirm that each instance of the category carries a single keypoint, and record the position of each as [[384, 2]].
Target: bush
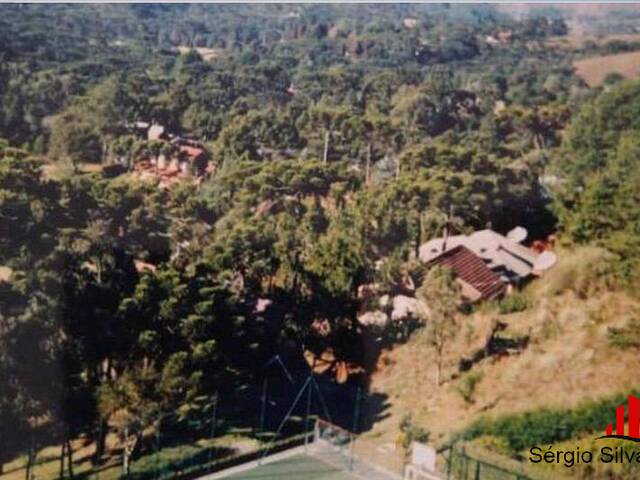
[[546, 426], [612, 78], [172, 459], [516, 302], [586, 271], [412, 432], [466, 387], [627, 336], [494, 444]]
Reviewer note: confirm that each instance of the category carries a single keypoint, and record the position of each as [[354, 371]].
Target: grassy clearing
[[207, 54], [579, 39], [60, 170], [165, 460], [595, 69], [5, 273], [48, 464]]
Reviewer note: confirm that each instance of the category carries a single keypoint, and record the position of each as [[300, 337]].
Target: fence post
[[477, 477], [97, 472], [158, 446], [263, 406], [306, 418], [212, 433], [463, 464], [466, 463], [356, 414]]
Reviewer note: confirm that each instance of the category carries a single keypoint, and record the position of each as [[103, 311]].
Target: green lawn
[[48, 467], [48, 459]]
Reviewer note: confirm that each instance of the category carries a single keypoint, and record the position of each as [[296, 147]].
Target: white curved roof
[[496, 249]]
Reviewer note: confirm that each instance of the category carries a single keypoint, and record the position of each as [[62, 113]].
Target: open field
[[207, 54], [594, 70], [58, 170], [579, 39]]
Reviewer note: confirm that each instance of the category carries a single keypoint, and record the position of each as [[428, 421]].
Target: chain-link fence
[[234, 428], [461, 466], [227, 429]]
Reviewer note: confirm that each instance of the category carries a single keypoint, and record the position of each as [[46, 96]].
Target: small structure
[[139, 128], [499, 38], [491, 40], [410, 22], [192, 158], [185, 157], [404, 307], [156, 132], [142, 266], [505, 36], [375, 319], [423, 463]]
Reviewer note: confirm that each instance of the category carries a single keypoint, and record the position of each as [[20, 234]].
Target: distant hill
[[582, 17]]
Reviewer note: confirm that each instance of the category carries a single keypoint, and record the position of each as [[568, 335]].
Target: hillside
[[567, 361]]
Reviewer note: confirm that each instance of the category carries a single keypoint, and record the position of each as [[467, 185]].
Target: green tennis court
[[330, 456], [297, 467]]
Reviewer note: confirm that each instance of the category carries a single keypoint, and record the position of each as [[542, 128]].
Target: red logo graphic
[[633, 421]]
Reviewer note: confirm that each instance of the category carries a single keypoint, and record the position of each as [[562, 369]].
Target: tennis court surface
[[298, 467], [329, 455], [314, 463]]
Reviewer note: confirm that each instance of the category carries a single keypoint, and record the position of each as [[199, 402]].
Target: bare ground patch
[[594, 70], [207, 54]]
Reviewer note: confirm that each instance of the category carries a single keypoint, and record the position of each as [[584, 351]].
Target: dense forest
[[341, 138]]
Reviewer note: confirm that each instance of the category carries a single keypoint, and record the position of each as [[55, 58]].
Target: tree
[[441, 294], [596, 192], [127, 403], [338, 263], [13, 417], [74, 139], [322, 125]]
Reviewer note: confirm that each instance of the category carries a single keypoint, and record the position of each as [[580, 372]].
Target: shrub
[[172, 459], [627, 336], [410, 432], [586, 271], [466, 387], [494, 444], [612, 78], [516, 302], [546, 426]]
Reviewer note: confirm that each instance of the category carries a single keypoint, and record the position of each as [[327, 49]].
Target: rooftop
[[477, 279], [502, 254]]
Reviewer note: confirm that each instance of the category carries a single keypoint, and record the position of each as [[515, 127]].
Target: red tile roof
[[192, 152], [471, 269]]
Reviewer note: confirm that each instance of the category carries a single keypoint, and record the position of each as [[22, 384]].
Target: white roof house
[[502, 254]]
